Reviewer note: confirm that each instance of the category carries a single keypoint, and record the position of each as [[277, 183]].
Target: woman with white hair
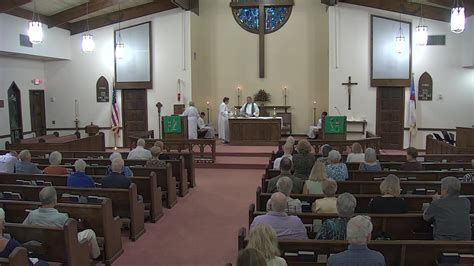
[[356, 155], [335, 169], [8, 245], [55, 167], [328, 204], [193, 115], [79, 178], [126, 171], [389, 202], [335, 229], [370, 163], [264, 239], [315, 180], [24, 165], [359, 230]]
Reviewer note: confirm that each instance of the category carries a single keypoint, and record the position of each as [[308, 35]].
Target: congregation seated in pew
[[116, 179], [55, 167], [285, 185], [449, 212], [264, 239], [324, 151], [304, 160], [287, 153], [328, 203], [389, 202], [411, 164], [289, 140], [161, 145], [286, 226], [8, 161], [370, 163], [8, 245], [24, 165], [336, 169], [335, 228], [356, 155], [359, 231], [139, 153], [79, 178], [285, 170], [314, 183], [126, 170], [47, 215], [155, 161]]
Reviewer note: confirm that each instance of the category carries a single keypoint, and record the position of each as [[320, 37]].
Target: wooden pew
[[178, 170], [414, 202], [146, 187], [408, 187], [398, 226], [124, 201], [18, 257], [68, 144], [396, 252], [57, 244], [97, 217], [427, 166]]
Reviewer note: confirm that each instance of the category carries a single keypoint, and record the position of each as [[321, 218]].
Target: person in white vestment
[[223, 120], [193, 114], [203, 125], [313, 130], [250, 108]]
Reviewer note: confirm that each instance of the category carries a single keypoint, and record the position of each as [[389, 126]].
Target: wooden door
[[14, 113], [390, 116], [37, 112], [135, 115]]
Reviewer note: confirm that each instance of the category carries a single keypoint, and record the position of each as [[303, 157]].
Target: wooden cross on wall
[[349, 90], [261, 5]]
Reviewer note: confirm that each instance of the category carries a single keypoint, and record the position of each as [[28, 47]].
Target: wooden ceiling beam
[[7, 5], [123, 15], [407, 8], [468, 5], [79, 11], [192, 5], [26, 14]]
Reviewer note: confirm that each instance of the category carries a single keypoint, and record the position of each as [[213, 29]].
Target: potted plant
[[261, 96]]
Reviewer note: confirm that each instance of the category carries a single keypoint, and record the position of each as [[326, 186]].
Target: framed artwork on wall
[[133, 70]]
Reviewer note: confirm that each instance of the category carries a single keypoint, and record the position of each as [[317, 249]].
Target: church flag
[[412, 109], [115, 113]]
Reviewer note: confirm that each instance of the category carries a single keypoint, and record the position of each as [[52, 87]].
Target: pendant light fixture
[[35, 30], [421, 31], [400, 39], [458, 18], [119, 46], [88, 44]]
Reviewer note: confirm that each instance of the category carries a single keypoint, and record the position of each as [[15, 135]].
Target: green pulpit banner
[[334, 125], [172, 124]]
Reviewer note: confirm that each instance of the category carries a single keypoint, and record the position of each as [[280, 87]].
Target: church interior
[[237, 132]]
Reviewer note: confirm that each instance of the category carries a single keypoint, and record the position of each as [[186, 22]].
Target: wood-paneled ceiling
[[72, 14]]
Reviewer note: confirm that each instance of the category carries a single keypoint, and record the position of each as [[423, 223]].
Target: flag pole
[[115, 140]]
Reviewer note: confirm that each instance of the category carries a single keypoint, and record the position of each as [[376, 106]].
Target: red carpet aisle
[[202, 228]]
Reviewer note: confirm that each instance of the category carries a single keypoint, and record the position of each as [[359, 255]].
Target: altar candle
[[207, 103], [76, 109], [314, 103]]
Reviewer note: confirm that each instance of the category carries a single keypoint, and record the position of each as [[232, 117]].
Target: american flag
[[115, 113], [412, 109]]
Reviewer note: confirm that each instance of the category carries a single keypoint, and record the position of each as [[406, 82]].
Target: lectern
[[174, 127], [333, 128]]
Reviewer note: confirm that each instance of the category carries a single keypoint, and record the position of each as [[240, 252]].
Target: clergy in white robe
[[313, 130], [223, 120], [203, 126], [193, 114], [250, 108]]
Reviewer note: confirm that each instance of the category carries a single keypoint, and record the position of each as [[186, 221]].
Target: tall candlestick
[[238, 95], [208, 116], [314, 113], [284, 94], [76, 109]]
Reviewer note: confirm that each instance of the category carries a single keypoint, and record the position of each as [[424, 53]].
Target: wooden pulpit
[[174, 127], [333, 128]]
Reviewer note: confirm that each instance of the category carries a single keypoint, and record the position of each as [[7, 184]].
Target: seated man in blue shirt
[[25, 165], [79, 178], [116, 179], [359, 230]]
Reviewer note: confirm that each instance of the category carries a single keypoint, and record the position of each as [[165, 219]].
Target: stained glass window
[[275, 16]]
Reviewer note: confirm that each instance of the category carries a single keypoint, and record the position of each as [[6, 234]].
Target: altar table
[[252, 131]]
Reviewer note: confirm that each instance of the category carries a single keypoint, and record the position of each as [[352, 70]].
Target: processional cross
[[349, 90], [261, 17]]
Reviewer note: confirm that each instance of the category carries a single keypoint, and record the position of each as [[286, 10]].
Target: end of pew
[[251, 211], [241, 237], [19, 257], [137, 221]]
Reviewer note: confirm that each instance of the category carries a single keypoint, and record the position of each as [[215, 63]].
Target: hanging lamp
[[35, 30], [400, 39], [119, 46], [458, 18], [421, 31], [88, 44]]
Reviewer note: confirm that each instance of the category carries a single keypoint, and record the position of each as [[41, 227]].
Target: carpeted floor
[[202, 228]]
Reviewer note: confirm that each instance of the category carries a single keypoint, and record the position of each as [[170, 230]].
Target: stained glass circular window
[[248, 17]]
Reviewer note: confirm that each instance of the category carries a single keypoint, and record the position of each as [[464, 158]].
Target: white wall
[[55, 42], [350, 56], [76, 79], [22, 72]]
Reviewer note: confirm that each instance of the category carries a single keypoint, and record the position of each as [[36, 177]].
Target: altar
[[253, 131]]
